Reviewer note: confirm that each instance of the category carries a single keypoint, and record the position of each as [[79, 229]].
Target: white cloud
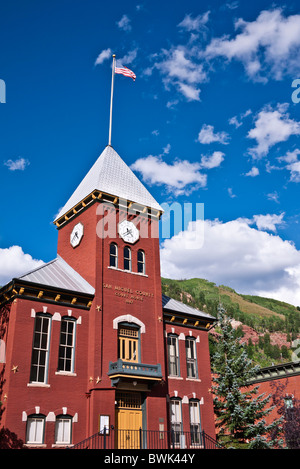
[[294, 168], [230, 193], [273, 196], [177, 65], [290, 156], [190, 92], [268, 222], [194, 24], [212, 161], [292, 164], [14, 262], [237, 122], [235, 254], [124, 23], [179, 70], [267, 47], [128, 58], [178, 177], [272, 127], [207, 135], [104, 55], [17, 165], [232, 5], [234, 121], [253, 172]]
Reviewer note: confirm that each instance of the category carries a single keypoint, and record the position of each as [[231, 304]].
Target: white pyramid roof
[[110, 174]]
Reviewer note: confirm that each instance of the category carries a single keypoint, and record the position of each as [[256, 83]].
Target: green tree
[[239, 411]]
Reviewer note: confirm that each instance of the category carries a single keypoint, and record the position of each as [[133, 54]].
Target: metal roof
[[173, 305], [110, 174], [58, 274]]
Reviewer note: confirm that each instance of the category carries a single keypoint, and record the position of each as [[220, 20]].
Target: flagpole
[[111, 97]]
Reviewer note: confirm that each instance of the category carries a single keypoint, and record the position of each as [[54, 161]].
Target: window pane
[[127, 258], [63, 430], [140, 256], [66, 346], [173, 356], [128, 344], [40, 348], [190, 347], [33, 373], [195, 424], [141, 262], [113, 255], [35, 430], [40, 374]]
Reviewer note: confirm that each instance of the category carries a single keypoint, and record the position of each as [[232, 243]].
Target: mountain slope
[[267, 326]]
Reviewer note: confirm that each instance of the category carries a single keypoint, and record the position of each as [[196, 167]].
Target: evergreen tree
[[240, 413]]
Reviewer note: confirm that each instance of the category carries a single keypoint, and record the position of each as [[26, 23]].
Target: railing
[[132, 368], [147, 439]]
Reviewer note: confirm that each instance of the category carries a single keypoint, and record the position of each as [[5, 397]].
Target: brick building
[[88, 341]]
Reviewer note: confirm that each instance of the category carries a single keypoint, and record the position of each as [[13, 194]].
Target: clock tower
[[108, 232], [92, 343]]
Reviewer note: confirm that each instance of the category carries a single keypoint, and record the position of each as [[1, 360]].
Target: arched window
[[128, 343], [35, 429], [113, 255], [141, 267], [127, 258]]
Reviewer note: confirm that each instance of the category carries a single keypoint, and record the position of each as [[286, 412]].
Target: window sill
[[127, 271], [35, 445], [194, 379], [38, 385], [65, 373], [175, 377], [62, 445]]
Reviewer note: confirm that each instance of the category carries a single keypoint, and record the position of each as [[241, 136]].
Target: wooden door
[[128, 420]]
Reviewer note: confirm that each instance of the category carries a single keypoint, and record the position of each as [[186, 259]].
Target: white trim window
[[127, 258], [40, 349], [141, 266], [173, 355], [113, 255], [195, 422], [35, 429], [176, 420], [191, 359], [67, 345], [63, 430]]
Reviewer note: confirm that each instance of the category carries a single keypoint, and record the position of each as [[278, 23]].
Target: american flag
[[125, 71]]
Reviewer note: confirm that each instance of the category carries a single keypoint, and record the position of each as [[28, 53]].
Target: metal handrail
[[147, 439]]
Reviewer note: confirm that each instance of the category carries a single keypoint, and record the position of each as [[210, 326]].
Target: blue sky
[[210, 119]]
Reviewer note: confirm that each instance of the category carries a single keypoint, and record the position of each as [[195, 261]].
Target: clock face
[[76, 235], [128, 231]]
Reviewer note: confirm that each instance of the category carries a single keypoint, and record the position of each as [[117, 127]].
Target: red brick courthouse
[[89, 342]]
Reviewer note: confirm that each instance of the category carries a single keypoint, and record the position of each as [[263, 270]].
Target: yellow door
[[128, 420]]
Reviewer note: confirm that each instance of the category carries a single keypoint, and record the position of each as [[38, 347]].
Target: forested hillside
[[266, 326]]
